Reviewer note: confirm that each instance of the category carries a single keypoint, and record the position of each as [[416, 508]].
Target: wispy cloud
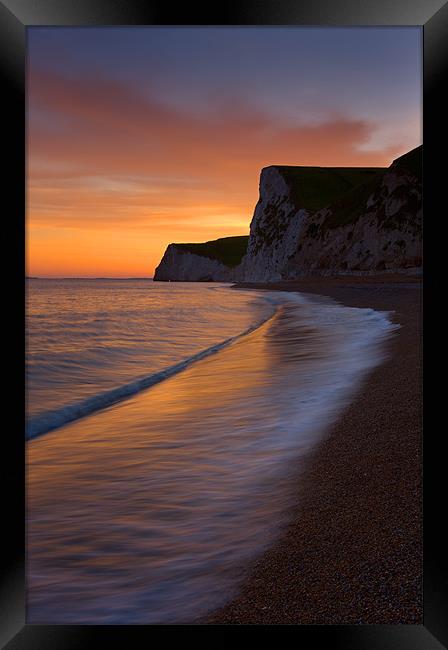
[[109, 155]]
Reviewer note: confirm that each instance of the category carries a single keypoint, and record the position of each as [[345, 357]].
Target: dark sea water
[[167, 424]]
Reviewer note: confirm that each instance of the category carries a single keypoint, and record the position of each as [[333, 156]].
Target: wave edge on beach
[[46, 422]]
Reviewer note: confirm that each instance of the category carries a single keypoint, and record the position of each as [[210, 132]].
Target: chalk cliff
[[211, 261], [317, 220], [372, 224]]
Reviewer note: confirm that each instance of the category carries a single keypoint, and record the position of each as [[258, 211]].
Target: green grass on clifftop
[[316, 187], [228, 250]]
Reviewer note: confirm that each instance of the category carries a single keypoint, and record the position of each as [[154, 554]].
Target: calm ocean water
[[91, 342], [146, 502]]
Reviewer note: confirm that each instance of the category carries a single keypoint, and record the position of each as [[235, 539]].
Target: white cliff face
[[375, 226], [182, 266], [274, 231], [383, 232]]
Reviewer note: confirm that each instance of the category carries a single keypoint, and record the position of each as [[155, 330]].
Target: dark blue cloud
[[295, 73]]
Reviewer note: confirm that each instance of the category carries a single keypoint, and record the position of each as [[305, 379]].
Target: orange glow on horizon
[[120, 177]]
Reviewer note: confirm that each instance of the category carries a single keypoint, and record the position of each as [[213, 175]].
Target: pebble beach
[[352, 551]]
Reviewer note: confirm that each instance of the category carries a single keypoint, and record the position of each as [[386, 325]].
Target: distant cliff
[[318, 220], [207, 262]]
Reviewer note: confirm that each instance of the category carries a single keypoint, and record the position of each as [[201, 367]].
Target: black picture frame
[[18, 15]]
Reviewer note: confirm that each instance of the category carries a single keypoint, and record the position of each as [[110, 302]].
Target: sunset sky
[[138, 137]]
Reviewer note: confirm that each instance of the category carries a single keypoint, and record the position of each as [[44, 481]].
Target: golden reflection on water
[[86, 338], [149, 510]]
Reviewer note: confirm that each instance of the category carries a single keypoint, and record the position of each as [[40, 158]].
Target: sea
[[167, 425]]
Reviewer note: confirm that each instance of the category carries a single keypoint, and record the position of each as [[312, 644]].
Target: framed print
[[222, 239]]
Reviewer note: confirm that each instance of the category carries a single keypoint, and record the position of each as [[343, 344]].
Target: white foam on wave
[[198, 476], [54, 419], [315, 399]]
